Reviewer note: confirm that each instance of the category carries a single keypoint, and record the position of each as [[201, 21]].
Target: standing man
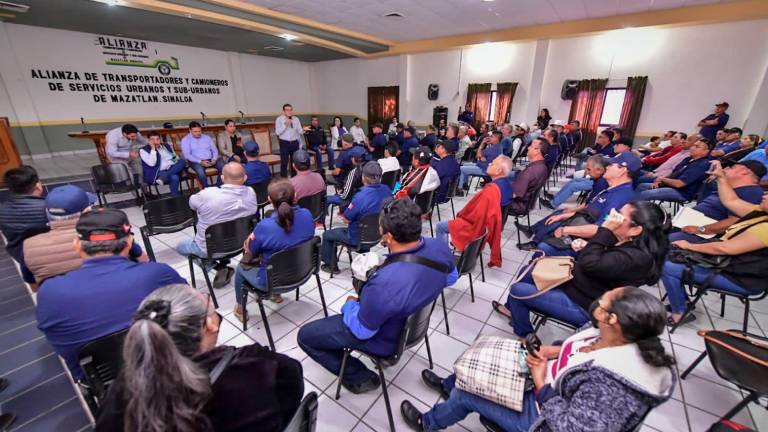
[[123, 145], [379, 141], [288, 131], [201, 153], [712, 123], [467, 116], [358, 133], [318, 142]]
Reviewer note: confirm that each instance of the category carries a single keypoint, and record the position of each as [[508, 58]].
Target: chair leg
[[322, 296], [453, 210], [341, 373], [751, 398], [266, 323], [386, 396], [243, 303], [540, 323], [693, 365], [445, 312], [349, 256], [482, 267], [519, 239], [438, 213], [746, 315], [192, 272], [147, 245], [431, 229], [210, 287], [429, 351], [722, 305], [471, 288], [335, 260], [98, 195], [689, 310]]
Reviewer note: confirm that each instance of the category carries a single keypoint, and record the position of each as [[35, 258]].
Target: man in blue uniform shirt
[[410, 141], [378, 141], [731, 143], [446, 166], [374, 321], [488, 151], [255, 170], [101, 296], [367, 201], [712, 123], [467, 116], [430, 139], [685, 179]]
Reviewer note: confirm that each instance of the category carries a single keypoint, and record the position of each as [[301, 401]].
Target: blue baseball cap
[[68, 199], [357, 152], [251, 148], [628, 160]]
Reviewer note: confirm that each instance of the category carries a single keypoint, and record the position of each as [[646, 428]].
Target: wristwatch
[[702, 229]]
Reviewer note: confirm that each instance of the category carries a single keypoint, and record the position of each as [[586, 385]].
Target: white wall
[[341, 86]]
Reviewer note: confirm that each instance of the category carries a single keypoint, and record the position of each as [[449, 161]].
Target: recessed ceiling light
[[394, 14], [288, 36], [113, 2], [273, 48]]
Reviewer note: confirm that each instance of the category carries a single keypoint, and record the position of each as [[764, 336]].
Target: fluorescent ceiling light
[[288, 36]]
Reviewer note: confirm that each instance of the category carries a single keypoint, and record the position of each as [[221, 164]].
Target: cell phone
[[532, 343]]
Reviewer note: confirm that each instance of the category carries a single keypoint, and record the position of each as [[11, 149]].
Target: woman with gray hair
[[175, 378]]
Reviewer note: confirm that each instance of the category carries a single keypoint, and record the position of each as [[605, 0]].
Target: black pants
[[286, 156]]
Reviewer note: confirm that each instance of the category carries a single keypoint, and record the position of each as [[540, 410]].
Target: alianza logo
[[137, 53]]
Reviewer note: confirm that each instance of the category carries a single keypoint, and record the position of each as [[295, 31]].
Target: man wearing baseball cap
[[101, 296], [354, 181], [760, 154], [306, 182], [446, 166], [712, 123], [256, 171]]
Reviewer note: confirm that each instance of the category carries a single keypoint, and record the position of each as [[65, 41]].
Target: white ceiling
[[426, 19]]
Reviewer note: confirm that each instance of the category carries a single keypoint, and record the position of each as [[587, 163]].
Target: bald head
[[233, 173]]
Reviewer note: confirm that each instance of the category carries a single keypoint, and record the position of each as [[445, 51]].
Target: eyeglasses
[[606, 310], [207, 303]]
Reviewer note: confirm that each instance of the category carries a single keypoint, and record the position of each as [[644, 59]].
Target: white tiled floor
[[696, 404], [64, 166]]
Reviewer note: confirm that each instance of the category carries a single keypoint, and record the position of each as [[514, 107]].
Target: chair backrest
[[736, 358], [533, 199], [225, 239], [115, 173], [261, 192], [414, 330], [731, 158], [168, 215], [292, 267], [425, 201], [390, 178], [315, 204], [305, 418], [453, 186], [100, 361], [369, 230], [470, 255]]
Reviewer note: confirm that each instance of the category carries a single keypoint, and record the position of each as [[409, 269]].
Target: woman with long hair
[[605, 378], [287, 226], [337, 131], [165, 383], [626, 250], [543, 118]]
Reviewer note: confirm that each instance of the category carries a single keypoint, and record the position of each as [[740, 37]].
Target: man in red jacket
[[661, 156], [482, 213]]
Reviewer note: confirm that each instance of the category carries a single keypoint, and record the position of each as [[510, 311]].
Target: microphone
[[242, 116], [82, 122], [203, 114]]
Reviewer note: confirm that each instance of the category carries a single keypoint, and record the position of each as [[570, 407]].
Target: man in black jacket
[[317, 142]]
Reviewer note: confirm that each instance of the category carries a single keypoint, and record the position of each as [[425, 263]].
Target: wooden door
[[9, 154], [383, 104]]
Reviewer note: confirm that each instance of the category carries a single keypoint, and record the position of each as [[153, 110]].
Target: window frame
[[605, 95], [491, 105]]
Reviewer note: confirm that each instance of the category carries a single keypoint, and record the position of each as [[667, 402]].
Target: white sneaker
[[159, 182]]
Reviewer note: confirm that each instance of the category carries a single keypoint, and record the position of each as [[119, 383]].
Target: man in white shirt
[[160, 164], [213, 205], [358, 134], [123, 145], [288, 130], [390, 162]]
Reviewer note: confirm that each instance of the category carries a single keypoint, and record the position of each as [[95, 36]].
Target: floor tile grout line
[[55, 407]]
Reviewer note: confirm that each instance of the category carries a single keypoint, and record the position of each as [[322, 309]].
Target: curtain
[[505, 93], [382, 105], [633, 104], [587, 107], [479, 100]]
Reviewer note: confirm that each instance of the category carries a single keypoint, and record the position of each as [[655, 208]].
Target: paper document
[[688, 216]]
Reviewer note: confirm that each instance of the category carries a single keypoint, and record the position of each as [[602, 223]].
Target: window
[[612, 105], [492, 107]]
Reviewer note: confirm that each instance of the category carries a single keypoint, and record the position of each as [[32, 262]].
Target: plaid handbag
[[494, 368]]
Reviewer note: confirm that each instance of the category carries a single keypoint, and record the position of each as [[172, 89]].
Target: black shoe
[[411, 415], [223, 276], [327, 268], [526, 230], [546, 203], [365, 386], [6, 420], [461, 193], [528, 246], [685, 320], [434, 382], [466, 186], [548, 195]]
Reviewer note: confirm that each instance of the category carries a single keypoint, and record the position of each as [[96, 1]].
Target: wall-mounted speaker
[[570, 87], [433, 91]]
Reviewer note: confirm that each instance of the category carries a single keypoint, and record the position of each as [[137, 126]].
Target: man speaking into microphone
[[288, 130]]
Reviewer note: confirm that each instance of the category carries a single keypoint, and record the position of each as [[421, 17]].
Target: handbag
[[691, 258], [579, 219], [547, 273], [494, 368]]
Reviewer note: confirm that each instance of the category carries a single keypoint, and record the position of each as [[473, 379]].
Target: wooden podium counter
[[259, 132]]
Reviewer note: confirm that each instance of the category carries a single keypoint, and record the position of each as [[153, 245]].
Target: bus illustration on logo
[[137, 53], [164, 66]]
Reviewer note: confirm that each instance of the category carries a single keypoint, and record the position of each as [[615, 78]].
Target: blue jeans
[[691, 238], [286, 156], [460, 404], [172, 176], [467, 170], [554, 303], [541, 230], [328, 246], [189, 247], [672, 277], [319, 156], [252, 276], [336, 199], [441, 232], [553, 251], [573, 186], [200, 171], [645, 193], [324, 341]]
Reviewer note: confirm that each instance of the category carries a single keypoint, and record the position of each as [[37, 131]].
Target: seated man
[[743, 178], [367, 201], [256, 171], [486, 153], [482, 212], [623, 149], [50, 254], [759, 155], [201, 153], [344, 162], [421, 178], [374, 321], [593, 171], [230, 143], [22, 215], [684, 181], [378, 142], [446, 166], [666, 168], [389, 162], [409, 141], [305, 182], [123, 145], [101, 296], [160, 164], [317, 142], [677, 144], [732, 142], [603, 146], [529, 180], [233, 200], [354, 180], [618, 176], [430, 138], [553, 155]]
